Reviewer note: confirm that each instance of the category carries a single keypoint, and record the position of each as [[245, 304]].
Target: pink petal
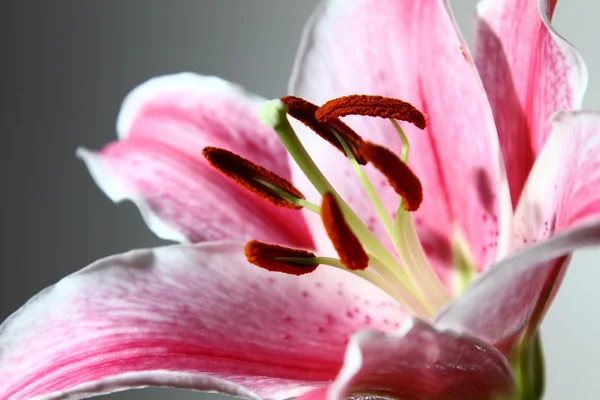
[[500, 303], [164, 125], [410, 50], [562, 189], [195, 317], [529, 72], [419, 362]]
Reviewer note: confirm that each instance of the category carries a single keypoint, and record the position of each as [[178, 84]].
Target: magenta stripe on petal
[[187, 315], [413, 51], [529, 72]]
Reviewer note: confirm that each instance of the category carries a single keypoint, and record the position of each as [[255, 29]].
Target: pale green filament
[[290, 197], [416, 287], [402, 285], [417, 266], [410, 304], [405, 143], [293, 145], [371, 193], [404, 157], [396, 273], [409, 247]]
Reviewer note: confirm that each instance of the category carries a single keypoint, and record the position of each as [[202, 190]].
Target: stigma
[[404, 274]]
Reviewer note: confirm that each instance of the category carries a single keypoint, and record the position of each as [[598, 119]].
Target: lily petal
[[419, 362], [187, 316], [411, 50], [529, 72], [562, 189], [164, 125], [499, 305]]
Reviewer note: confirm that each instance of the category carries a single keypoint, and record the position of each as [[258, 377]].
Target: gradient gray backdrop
[[65, 67]]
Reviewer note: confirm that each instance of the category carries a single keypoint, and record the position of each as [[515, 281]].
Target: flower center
[[408, 278]]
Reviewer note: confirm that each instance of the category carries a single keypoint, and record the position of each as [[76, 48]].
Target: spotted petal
[[502, 302], [529, 72], [163, 126], [419, 362], [562, 190], [187, 316], [411, 50]]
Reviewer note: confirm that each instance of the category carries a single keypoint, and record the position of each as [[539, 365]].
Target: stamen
[[417, 265], [269, 257], [399, 175], [251, 176], [274, 114], [371, 193], [347, 245], [399, 293], [372, 106], [304, 112]]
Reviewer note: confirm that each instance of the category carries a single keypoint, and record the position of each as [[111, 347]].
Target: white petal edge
[[457, 314], [184, 81], [141, 380], [110, 184]]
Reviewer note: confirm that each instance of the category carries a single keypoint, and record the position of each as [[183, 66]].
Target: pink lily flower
[[508, 172]]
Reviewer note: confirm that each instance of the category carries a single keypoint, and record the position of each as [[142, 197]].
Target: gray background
[[65, 67]]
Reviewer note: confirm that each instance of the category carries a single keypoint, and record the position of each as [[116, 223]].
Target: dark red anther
[[372, 106], [347, 245], [266, 256], [304, 111], [399, 175], [245, 173]]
